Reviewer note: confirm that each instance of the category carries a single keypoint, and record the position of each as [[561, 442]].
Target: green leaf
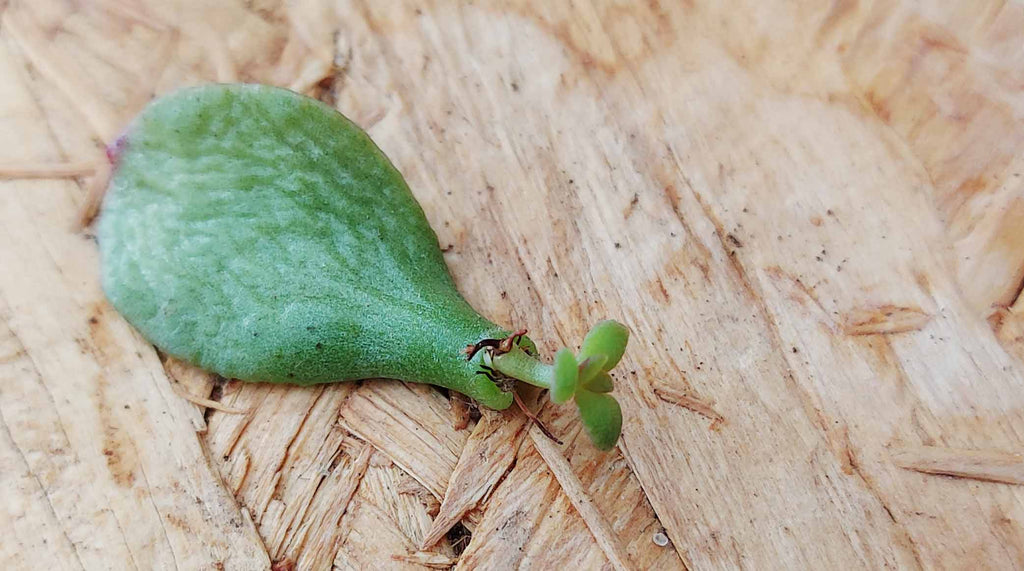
[[602, 418], [563, 386], [261, 235], [591, 366], [607, 338], [599, 383]]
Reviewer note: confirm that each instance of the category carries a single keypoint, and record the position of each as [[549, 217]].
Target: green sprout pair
[[583, 377]]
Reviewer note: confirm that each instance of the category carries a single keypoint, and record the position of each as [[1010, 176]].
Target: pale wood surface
[[811, 215]]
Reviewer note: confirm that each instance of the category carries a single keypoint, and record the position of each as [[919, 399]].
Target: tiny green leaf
[[528, 346], [591, 366], [601, 416], [566, 374], [607, 338], [599, 383]]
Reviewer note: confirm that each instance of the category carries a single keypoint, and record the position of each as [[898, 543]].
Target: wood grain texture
[[809, 214], [986, 465]]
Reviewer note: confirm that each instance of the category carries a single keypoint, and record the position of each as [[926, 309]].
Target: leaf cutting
[[261, 235]]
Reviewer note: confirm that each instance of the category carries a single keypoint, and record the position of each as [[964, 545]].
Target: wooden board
[[811, 216]]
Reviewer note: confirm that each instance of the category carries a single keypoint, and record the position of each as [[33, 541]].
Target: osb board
[[809, 215]]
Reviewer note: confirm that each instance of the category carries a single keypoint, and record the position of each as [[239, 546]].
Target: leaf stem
[[518, 365]]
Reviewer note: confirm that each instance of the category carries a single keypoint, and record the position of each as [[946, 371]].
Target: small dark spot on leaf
[[311, 328], [515, 86], [319, 346], [618, 245], [795, 350], [734, 240], [94, 320], [291, 375]]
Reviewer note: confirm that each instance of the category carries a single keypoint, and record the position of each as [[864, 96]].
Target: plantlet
[[261, 235]]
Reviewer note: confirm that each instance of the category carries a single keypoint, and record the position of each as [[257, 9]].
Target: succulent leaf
[[608, 338], [259, 234], [599, 383], [602, 418], [566, 374], [591, 366]]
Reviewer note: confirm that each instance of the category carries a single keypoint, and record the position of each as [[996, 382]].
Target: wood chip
[[460, 411], [688, 401], [411, 425], [985, 465], [48, 170], [192, 380], [884, 319], [431, 560], [205, 402], [94, 193], [489, 453], [573, 489]]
